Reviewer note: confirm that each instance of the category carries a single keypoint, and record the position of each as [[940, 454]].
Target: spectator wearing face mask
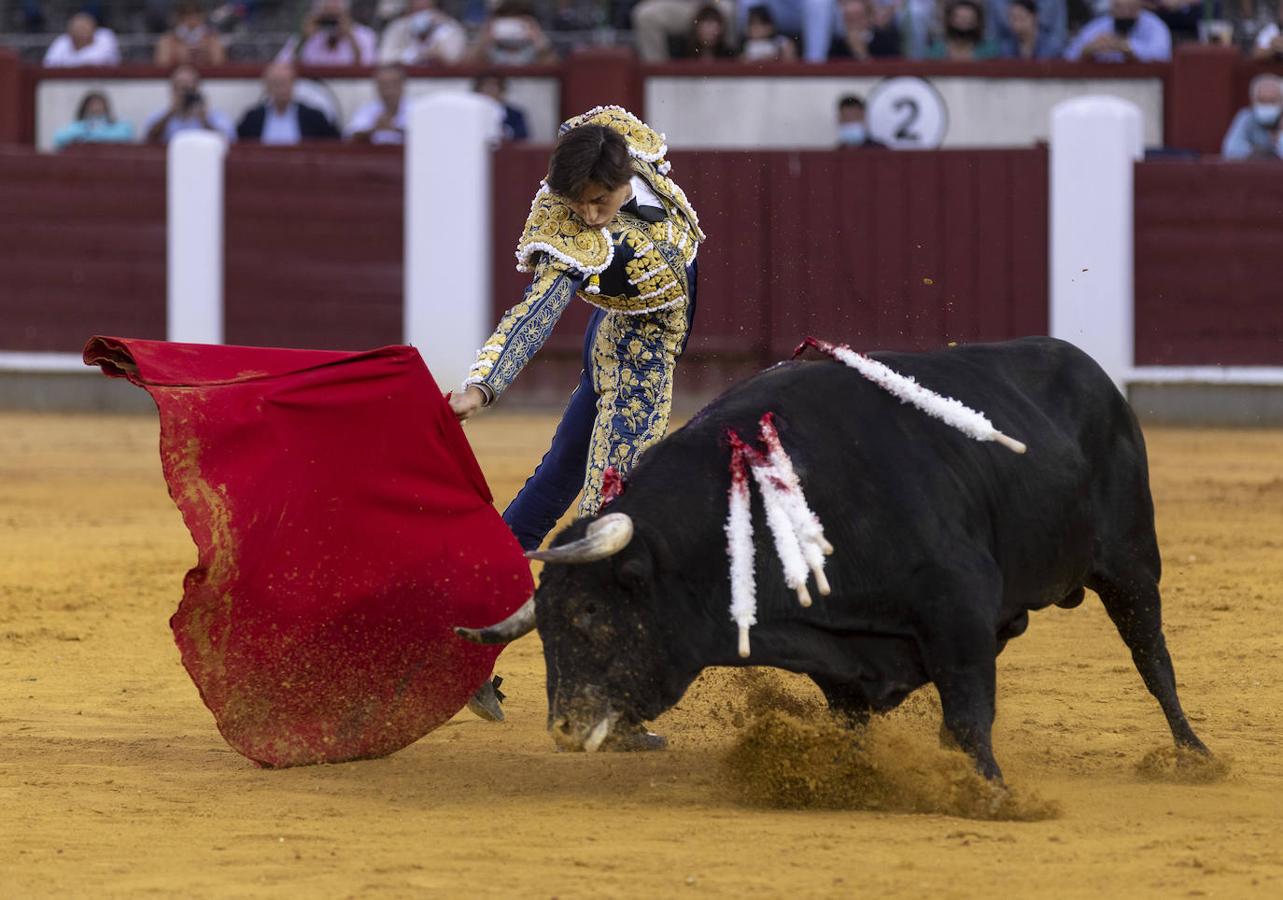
[[329, 37], [1025, 38], [964, 30], [512, 36], [424, 36], [190, 41], [1254, 133], [1127, 34], [814, 22], [707, 38], [83, 44], [381, 121], [94, 125], [762, 42], [853, 131]]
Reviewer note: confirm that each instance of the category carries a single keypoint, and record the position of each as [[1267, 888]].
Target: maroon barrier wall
[[1209, 263], [82, 247], [880, 249]]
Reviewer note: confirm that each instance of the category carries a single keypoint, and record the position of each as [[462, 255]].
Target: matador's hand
[[466, 404]]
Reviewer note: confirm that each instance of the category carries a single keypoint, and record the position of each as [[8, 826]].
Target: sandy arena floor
[[113, 780]]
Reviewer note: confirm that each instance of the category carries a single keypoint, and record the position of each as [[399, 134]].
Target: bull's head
[[614, 654]]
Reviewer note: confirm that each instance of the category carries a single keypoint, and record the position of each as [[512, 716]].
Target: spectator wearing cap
[[94, 124], [330, 37], [762, 40], [513, 122], [1024, 38], [280, 120], [83, 44], [964, 30], [512, 36], [424, 36], [707, 38], [1127, 34], [188, 111], [661, 26], [382, 120], [853, 130], [863, 37], [190, 41], [1255, 133], [1009, 31], [814, 22]]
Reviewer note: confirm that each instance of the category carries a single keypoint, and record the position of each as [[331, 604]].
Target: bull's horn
[[519, 624], [605, 537]]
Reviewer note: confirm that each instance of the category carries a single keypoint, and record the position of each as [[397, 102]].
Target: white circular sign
[[907, 114]]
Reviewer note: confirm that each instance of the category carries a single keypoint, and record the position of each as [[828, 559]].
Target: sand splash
[[794, 755], [1180, 765]]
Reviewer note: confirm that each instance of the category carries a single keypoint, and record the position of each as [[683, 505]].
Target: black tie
[[645, 213]]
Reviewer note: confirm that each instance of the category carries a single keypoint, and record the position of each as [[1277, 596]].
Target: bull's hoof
[[487, 702], [634, 741]]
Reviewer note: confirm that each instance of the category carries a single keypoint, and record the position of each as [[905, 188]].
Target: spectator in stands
[[1127, 34], [1029, 29], [495, 87], [83, 44], [94, 125], [191, 40], [188, 111], [1182, 16], [964, 33], [660, 26], [1255, 133], [1269, 42], [763, 42], [707, 38], [512, 36], [864, 38], [812, 21], [424, 36], [382, 121], [280, 119], [329, 37], [853, 131]]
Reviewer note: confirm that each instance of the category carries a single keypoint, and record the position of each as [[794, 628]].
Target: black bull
[[943, 545]]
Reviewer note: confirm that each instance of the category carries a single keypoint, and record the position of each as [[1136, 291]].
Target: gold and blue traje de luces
[[633, 269]]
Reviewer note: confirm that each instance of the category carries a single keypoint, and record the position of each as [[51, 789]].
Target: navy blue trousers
[[555, 484]]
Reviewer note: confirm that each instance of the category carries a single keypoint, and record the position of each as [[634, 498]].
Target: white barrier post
[[447, 231], [1094, 143], [195, 237]]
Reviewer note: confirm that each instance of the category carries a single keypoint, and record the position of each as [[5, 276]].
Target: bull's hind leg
[[1135, 607]]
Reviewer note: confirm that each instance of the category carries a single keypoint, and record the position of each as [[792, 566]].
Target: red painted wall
[[1209, 263]]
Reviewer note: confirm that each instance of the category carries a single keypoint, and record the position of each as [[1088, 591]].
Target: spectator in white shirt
[[187, 111], [1269, 41], [329, 37], [83, 44], [382, 121], [424, 36]]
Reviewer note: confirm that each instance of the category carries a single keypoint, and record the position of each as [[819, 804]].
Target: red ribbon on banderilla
[[799, 536]]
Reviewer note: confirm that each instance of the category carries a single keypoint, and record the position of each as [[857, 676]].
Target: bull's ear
[[634, 572]]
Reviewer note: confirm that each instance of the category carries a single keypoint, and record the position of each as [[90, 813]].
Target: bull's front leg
[[960, 648]]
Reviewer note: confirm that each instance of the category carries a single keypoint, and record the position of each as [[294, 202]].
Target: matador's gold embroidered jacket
[[633, 269]]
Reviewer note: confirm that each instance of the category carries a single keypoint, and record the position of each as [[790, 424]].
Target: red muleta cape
[[342, 526]]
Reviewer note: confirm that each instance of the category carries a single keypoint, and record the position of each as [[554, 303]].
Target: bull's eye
[[590, 609]]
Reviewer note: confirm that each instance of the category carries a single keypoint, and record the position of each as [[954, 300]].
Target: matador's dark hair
[[589, 153]]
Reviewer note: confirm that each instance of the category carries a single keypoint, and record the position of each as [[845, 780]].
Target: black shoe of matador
[[487, 702]]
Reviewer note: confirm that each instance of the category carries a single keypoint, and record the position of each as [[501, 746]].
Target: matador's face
[[597, 204]]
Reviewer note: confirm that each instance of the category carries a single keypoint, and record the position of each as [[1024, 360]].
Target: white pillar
[[1094, 143], [195, 231], [447, 230]]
